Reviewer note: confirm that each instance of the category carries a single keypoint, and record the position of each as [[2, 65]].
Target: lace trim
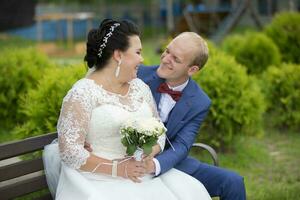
[[74, 120], [131, 101]]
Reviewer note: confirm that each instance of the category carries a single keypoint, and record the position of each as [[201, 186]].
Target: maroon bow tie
[[164, 88]]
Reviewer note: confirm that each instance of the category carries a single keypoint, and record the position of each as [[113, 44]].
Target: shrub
[[232, 43], [42, 105], [285, 32], [254, 50], [20, 70], [282, 89], [237, 102]]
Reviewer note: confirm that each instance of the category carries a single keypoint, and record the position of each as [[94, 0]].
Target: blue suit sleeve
[[182, 142]]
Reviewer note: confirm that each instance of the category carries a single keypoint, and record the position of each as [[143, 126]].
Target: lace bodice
[[91, 113]]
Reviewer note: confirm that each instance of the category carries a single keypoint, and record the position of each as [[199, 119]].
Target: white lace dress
[[91, 113]]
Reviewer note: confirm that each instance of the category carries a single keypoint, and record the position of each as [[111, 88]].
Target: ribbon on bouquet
[[138, 154], [170, 143]]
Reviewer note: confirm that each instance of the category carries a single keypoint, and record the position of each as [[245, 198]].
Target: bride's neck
[[106, 78]]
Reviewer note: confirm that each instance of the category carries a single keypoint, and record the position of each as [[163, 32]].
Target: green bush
[[232, 43], [254, 50], [42, 105], [285, 32], [20, 70], [237, 102], [282, 88]]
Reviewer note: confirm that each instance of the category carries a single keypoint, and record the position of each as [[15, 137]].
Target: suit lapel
[[153, 83], [180, 109]]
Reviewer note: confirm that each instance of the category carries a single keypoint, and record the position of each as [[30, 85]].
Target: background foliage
[[254, 50], [285, 32], [282, 88], [20, 70], [237, 101], [41, 107]]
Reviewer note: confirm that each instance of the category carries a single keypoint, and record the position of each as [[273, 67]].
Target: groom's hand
[[87, 146], [149, 164]]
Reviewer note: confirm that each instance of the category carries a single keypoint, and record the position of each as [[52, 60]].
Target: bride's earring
[[118, 69]]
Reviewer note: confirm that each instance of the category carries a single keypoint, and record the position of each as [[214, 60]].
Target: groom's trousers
[[219, 182]]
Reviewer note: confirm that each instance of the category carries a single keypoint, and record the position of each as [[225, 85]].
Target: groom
[[182, 106]]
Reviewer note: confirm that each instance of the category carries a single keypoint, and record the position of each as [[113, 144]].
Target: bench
[[26, 176]]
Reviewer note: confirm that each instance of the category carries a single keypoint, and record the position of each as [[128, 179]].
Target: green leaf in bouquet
[[135, 137], [151, 141], [124, 141], [147, 148], [131, 149]]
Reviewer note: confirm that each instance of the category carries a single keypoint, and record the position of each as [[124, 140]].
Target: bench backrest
[[24, 176]]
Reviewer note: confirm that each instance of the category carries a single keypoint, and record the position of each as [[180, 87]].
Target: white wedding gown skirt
[[173, 185], [106, 113], [77, 185]]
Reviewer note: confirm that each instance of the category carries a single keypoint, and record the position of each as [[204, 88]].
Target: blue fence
[[54, 30]]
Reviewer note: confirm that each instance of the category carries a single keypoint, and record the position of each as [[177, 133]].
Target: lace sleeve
[[150, 100], [72, 128]]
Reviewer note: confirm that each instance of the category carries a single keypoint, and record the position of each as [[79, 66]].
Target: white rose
[[147, 126], [150, 125]]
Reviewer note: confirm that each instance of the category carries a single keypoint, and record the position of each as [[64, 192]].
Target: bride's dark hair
[[118, 40]]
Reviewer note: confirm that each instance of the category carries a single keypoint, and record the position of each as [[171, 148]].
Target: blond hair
[[201, 50]]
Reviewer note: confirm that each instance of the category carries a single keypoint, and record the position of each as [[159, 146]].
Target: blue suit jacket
[[183, 122]]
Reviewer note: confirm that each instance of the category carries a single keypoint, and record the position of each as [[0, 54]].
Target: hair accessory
[[106, 37]]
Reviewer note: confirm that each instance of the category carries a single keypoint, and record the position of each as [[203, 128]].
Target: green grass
[[14, 42], [270, 165], [67, 61], [149, 52]]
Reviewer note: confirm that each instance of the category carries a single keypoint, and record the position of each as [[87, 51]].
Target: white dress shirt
[[165, 106]]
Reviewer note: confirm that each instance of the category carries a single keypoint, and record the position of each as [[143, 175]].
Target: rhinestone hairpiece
[[107, 36]]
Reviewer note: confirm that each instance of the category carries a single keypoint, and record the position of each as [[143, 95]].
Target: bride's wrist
[[114, 168], [122, 170]]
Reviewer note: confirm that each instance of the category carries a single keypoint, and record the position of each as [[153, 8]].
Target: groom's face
[[175, 60]]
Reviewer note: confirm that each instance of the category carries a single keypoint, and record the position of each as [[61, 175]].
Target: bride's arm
[[126, 169], [72, 127], [156, 149]]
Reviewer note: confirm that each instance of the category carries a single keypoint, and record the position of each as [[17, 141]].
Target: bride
[[94, 109]]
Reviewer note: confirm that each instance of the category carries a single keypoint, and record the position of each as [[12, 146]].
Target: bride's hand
[[132, 170]]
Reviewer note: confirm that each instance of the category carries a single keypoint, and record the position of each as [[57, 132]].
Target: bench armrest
[[211, 151]]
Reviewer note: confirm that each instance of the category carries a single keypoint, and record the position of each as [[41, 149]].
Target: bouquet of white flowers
[[139, 135]]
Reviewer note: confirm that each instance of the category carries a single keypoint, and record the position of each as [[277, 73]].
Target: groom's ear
[[117, 55], [193, 69]]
